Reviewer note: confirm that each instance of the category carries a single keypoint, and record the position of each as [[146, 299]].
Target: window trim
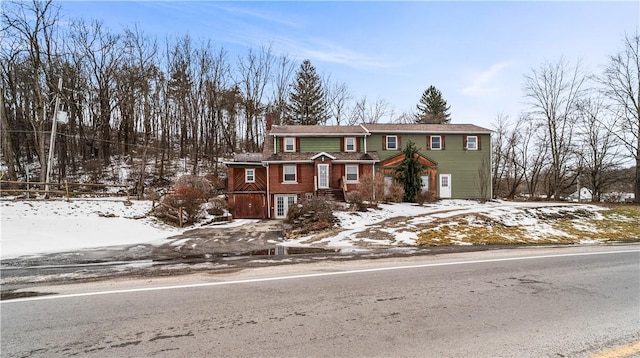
[[284, 174], [346, 144], [247, 175], [357, 173], [386, 144], [475, 142], [285, 144], [439, 142]]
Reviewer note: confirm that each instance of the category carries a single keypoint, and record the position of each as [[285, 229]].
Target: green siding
[[463, 165], [321, 144]]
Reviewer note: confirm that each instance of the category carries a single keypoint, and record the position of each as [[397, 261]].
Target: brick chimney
[[269, 121]]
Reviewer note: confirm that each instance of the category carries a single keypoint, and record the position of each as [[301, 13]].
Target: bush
[[311, 215], [425, 197], [396, 192], [196, 182], [94, 170], [189, 199], [217, 184], [372, 188], [356, 201], [217, 206]]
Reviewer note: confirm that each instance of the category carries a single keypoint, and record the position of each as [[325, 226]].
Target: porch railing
[[344, 187]]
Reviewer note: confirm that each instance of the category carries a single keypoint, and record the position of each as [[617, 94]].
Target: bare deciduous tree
[[32, 25], [621, 80], [102, 53], [254, 72], [338, 97], [283, 73], [599, 147], [553, 91]]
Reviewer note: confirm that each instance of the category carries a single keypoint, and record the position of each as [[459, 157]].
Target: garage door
[[249, 206]]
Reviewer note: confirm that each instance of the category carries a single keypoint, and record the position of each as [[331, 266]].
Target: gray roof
[[364, 129], [424, 128], [319, 130], [340, 156], [247, 157]]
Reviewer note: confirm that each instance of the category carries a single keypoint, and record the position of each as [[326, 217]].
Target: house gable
[[395, 161]]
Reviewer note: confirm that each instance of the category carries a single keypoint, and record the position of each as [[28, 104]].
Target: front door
[[445, 186], [323, 176], [283, 202]]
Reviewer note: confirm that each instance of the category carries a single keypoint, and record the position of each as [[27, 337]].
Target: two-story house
[[303, 161]]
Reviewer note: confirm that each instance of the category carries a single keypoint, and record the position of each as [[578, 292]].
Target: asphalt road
[[543, 302]]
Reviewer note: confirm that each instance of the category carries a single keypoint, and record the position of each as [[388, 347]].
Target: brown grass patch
[[617, 224]]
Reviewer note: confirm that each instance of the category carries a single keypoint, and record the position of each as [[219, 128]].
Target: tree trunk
[[7, 146]]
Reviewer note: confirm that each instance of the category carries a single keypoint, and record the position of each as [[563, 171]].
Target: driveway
[[249, 237]]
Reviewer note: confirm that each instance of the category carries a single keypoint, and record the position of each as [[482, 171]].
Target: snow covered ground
[[47, 226], [362, 229]]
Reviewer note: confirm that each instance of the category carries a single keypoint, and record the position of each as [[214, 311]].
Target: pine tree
[[307, 100], [433, 108], [408, 173]]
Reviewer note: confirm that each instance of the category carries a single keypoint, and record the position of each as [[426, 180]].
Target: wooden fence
[[176, 214], [61, 189]]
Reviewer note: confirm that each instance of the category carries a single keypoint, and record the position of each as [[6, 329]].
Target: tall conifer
[[307, 99], [409, 172], [433, 108]]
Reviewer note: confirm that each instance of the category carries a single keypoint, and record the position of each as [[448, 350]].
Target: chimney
[[269, 122]]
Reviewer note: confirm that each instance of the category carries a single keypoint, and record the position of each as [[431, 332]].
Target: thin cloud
[[481, 84], [333, 53]]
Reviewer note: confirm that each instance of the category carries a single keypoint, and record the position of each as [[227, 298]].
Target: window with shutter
[[349, 144], [472, 143], [289, 144], [436, 142]]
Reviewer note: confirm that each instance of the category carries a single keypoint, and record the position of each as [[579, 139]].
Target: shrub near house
[[301, 162]]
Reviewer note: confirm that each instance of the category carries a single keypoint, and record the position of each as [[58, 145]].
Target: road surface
[[552, 302]]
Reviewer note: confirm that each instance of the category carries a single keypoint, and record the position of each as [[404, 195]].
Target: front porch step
[[331, 194]]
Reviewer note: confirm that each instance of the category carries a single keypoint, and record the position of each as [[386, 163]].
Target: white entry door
[[283, 202], [445, 185], [323, 176]]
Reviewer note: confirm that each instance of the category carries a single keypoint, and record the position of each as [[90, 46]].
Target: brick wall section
[[305, 176]]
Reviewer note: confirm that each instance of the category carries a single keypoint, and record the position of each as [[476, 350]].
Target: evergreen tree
[[307, 99], [408, 173], [433, 108]]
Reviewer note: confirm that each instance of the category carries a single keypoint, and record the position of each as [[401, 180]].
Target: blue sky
[[475, 52]]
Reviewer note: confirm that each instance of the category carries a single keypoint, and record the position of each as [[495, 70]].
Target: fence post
[[66, 186], [180, 215]]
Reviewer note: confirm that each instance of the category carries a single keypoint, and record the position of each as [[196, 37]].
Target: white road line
[[209, 284]]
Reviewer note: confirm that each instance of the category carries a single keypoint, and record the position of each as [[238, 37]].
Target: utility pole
[[52, 141]]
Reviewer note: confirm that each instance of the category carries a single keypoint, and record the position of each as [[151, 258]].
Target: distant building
[[584, 194]]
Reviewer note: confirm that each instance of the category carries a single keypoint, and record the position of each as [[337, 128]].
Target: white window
[[349, 144], [472, 142], [425, 183], [289, 144], [351, 173], [250, 175], [289, 173], [392, 142], [436, 142]]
